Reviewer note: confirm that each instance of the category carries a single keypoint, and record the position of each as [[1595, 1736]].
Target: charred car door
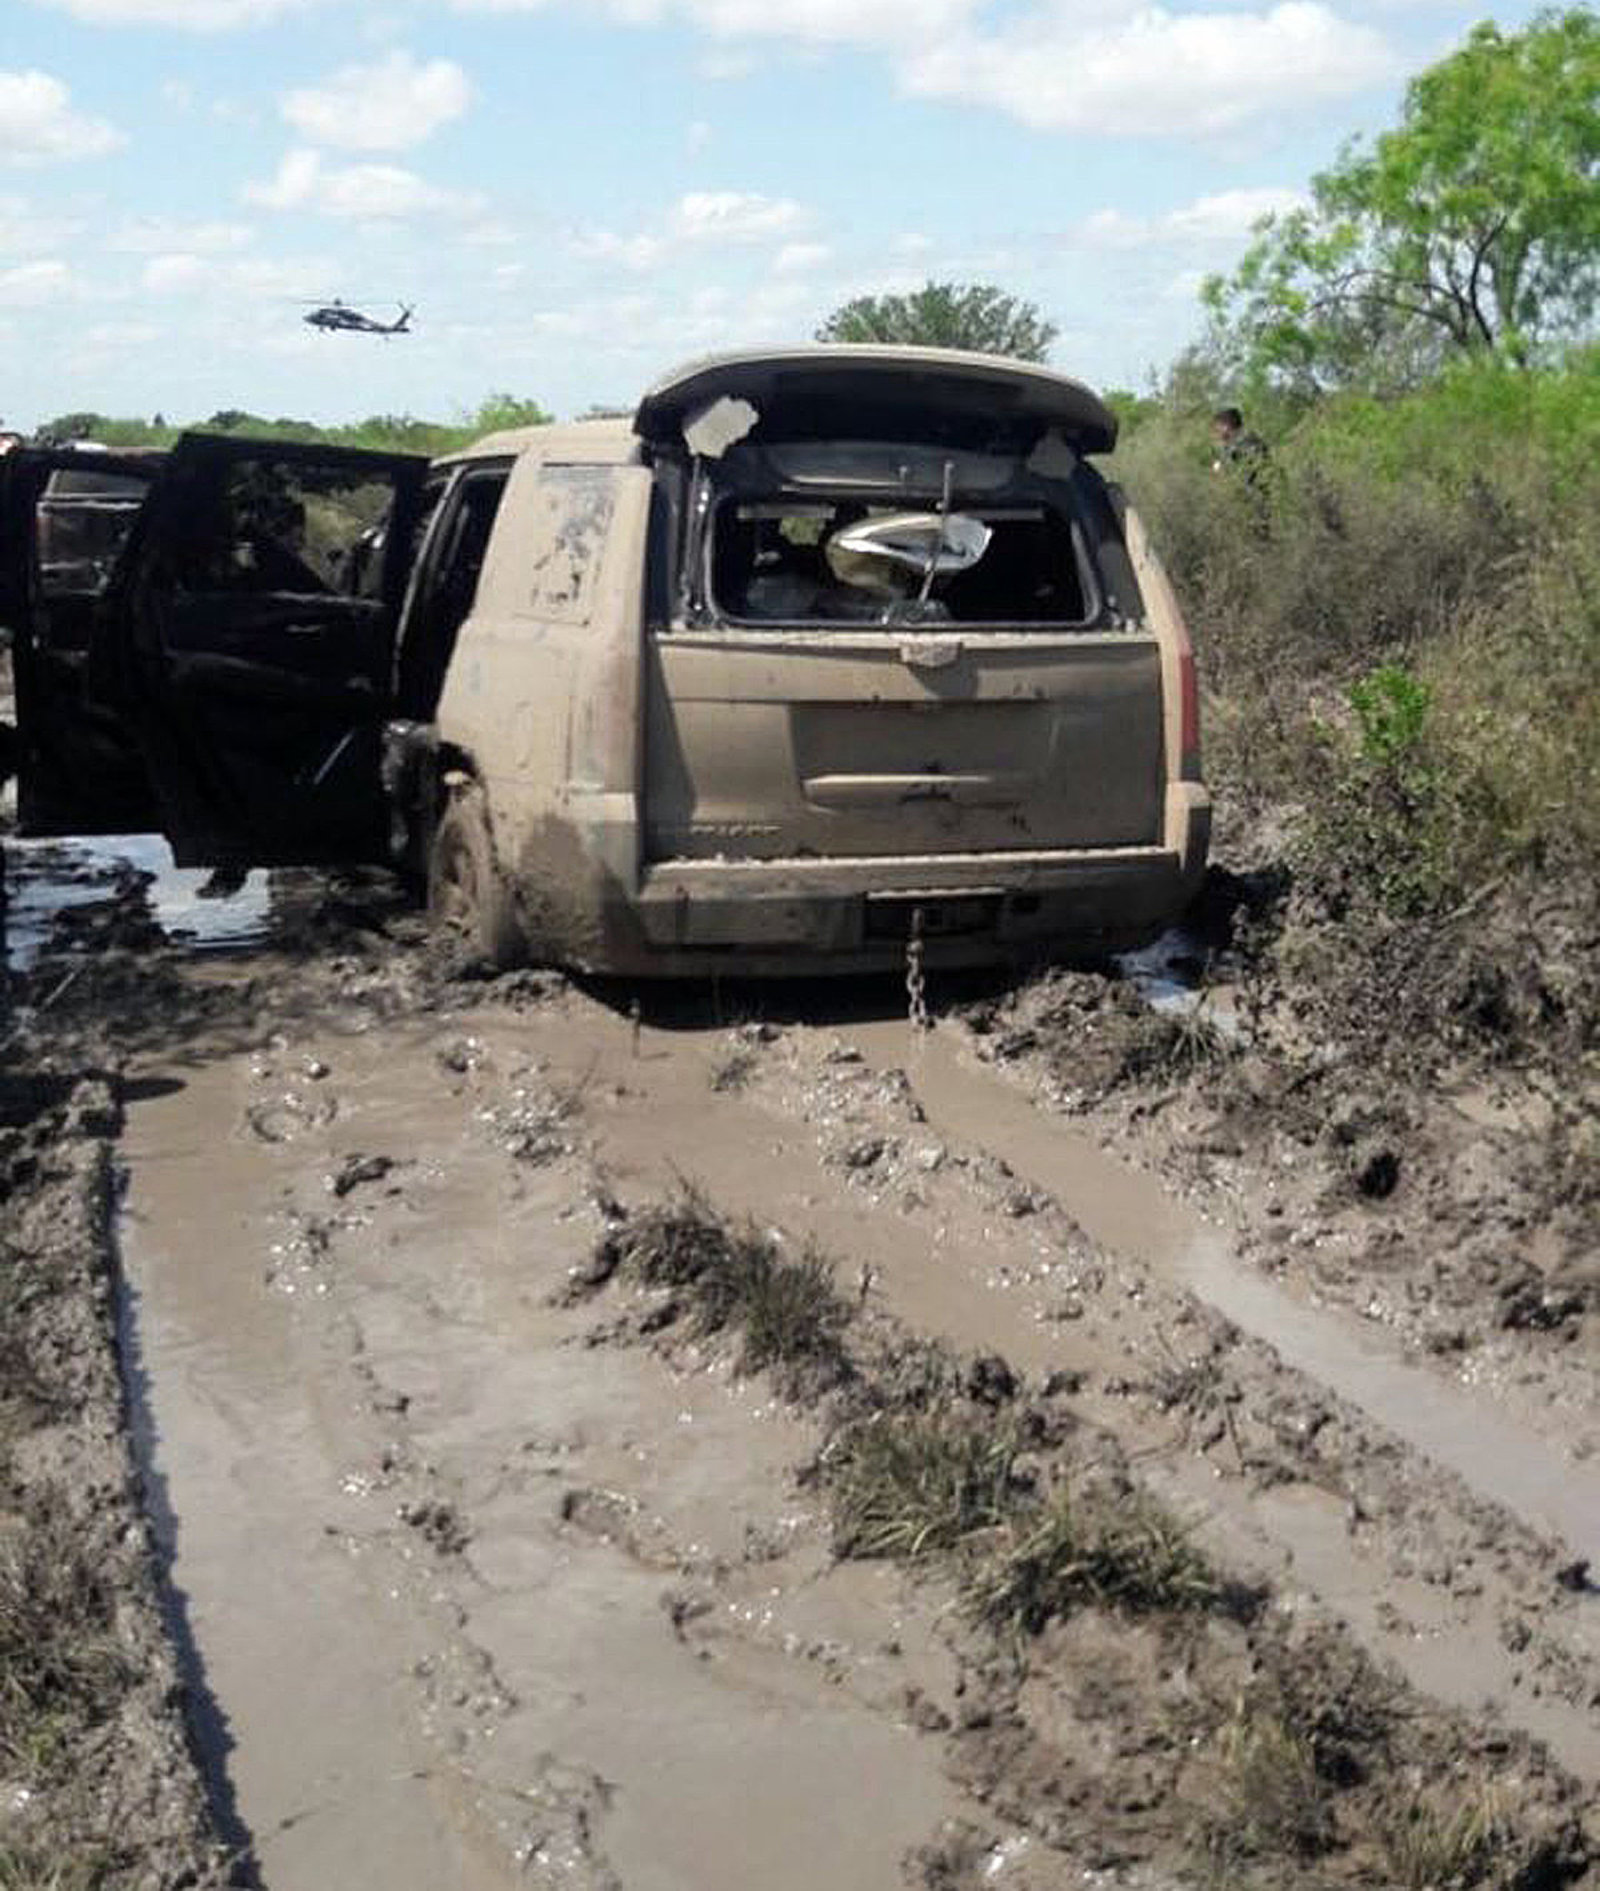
[[257, 614], [66, 515]]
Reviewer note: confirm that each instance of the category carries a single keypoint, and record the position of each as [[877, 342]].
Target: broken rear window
[[784, 561]]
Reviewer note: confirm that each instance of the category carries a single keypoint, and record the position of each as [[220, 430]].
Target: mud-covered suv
[[821, 648]]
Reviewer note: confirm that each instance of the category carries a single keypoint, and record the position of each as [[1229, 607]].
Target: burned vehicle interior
[[66, 517], [207, 640]]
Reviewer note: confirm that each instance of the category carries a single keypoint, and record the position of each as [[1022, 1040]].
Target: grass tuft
[[945, 1482], [1273, 1799], [1428, 1847], [787, 1307], [61, 1668], [912, 1487], [1123, 1554]]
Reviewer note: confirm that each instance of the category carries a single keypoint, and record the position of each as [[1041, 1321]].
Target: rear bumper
[[809, 915]]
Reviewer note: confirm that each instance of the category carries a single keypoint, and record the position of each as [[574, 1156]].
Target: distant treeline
[[393, 433]]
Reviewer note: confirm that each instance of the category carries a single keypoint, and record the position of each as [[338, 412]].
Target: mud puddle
[[942, 1185], [476, 1603], [48, 878], [1532, 1475], [588, 1629], [1126, 1211]]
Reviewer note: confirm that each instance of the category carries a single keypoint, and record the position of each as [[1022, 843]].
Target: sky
[[578, 194]]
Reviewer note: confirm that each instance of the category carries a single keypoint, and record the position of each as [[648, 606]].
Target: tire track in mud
[[442, 1557], [965, 1240], [470, 1465]]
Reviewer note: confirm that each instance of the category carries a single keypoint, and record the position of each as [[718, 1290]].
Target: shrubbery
[[384, 433], [1399, 623]]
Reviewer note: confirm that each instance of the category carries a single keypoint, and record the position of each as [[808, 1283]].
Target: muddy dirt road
[[489, 1565]]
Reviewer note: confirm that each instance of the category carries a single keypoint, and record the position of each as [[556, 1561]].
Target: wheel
[[467, 894]]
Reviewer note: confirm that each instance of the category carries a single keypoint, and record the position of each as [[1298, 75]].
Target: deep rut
[[437, 1551]]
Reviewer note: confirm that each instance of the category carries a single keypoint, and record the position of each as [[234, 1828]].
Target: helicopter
[[336, 315]]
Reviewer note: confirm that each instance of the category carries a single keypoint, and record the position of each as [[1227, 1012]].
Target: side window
[[84, 519], [270, 526], [363, 571], [429, 636], [571, 518], [472, 514]]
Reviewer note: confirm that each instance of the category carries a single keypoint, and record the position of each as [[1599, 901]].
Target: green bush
[[1398, 625]]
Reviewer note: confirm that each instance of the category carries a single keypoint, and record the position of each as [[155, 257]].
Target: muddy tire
[[467, 893]]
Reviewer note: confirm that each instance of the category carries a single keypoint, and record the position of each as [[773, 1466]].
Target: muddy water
[[479, 1604], [46, 877], [1498, 1458], [304, 1664], [1127, 1212], [951, 1262], [481, 1601]]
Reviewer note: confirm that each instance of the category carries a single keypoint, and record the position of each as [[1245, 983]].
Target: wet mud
[[492, 1570]]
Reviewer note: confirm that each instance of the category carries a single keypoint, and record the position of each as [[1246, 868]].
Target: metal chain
[[916, 978]]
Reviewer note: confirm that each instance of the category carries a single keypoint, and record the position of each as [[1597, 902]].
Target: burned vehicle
[[822, 648]]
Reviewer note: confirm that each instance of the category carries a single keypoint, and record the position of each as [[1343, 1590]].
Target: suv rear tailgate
[[783, 743]]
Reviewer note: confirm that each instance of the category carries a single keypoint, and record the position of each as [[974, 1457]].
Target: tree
[[66, 428], [497, 412], [972, 315], [1472, 227]]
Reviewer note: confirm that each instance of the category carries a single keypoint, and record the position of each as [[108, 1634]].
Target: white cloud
[[38, 124], [808, 22], [1068, 67], [1220, 220], [376, 193], [726, 65], [799, 259], [161, 236], [25, 231], [1112, 67], [703, 219], [828, 22], [26, 285], [395, 103], [121, 335], [262, 276], [175, 274], [734, 216], [199, 16], [1227, 215], [632, 252]]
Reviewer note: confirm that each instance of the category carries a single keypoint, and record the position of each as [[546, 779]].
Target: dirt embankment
[[536, 1521], [97, 1784]]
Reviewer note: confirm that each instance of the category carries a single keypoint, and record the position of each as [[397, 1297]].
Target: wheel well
[[417, 771]]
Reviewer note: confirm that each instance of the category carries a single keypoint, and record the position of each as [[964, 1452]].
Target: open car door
[[256, 622], [66, 514]]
